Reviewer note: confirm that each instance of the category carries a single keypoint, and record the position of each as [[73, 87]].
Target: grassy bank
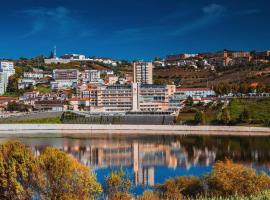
[[52, 120], [244, 112], [258, 110]]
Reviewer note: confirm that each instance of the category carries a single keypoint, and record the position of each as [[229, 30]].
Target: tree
[[12, 86], [189, 101], [244, 116], [117, 186], [228, 178], [199, 117], [225, 116], [149, 195], [169, 190], [59, 176], [17, 164]]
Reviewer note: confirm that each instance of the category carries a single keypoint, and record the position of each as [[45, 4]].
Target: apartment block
[[91, 76], [7, 67], [3, 82], [155, 97], [143, 72], [64, 78]]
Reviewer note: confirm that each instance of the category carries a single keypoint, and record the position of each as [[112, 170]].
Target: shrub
[[229, 179], [181, 187]]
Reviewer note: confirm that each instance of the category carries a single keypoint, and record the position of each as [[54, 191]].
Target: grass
[[187, 116], [53, 120], [259, 109], [44, 88]]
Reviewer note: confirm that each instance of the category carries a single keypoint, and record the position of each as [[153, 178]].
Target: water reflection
[[152, 159]]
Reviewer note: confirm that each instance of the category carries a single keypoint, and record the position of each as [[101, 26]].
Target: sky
[[132, 29]]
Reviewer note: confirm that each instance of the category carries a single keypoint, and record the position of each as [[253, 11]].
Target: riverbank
[[87, 130]]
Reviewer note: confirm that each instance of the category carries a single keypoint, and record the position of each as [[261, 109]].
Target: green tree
[[189, 101], [225, 116], [60, 176], [17, 165], [199, 117], [118, 185], [244, 116], [12, 86]]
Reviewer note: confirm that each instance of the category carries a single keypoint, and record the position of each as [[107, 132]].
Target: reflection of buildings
[[142, 156]]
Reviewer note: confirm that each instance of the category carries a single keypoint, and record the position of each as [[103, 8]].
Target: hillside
[[190, 77]]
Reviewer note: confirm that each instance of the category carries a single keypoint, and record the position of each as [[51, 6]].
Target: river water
[[149, 160]]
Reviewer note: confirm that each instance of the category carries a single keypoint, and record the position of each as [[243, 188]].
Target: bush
[[181, 187], [149, 195], [229, 179]]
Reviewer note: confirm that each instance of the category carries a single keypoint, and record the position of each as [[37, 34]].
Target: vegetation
[[51, 120], [225, 116], [52, 175], [200, 114], [227, 180], [59, 176], [254, 111], [118, 185], [17, 166], [246, 73], [199, 117], [14, 106], [56, 175], [43, 88]]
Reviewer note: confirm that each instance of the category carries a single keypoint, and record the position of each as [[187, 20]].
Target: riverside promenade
[[88, 130]]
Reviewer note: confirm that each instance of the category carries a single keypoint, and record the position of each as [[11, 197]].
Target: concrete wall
[[88, 130], [127, 119]]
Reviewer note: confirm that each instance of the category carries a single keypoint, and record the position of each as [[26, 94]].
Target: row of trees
[[55, 175], [223, 88]]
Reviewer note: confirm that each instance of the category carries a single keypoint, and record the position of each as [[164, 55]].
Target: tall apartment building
[[3, 82], [143, 72], [7, 67], [6, 70]]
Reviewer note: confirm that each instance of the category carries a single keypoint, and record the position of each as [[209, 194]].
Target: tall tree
[[17, 164], [59, 176], [118, 185], [225, 116]]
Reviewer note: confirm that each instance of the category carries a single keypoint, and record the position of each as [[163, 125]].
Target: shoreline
[[89, 130]]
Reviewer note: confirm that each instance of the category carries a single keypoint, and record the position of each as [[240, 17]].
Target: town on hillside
[[88, 86]]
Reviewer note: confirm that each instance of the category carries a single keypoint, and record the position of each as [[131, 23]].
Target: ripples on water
[[149, 160]]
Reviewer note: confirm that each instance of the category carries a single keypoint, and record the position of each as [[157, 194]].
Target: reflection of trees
[[244, 149]]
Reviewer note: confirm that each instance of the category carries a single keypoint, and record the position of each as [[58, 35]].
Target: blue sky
[[132, 29]]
